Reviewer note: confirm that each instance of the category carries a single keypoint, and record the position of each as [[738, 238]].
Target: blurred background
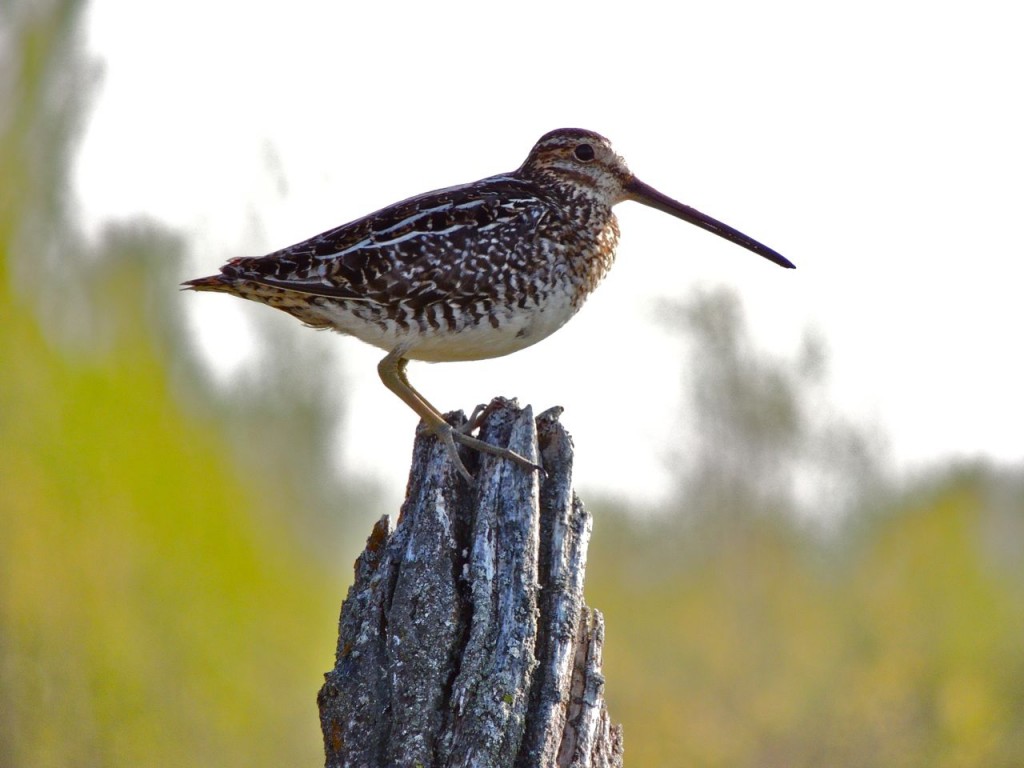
[[807, 486]]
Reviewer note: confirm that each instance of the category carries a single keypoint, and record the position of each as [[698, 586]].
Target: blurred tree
[[282, 412], [764, 437], [155, 608], [738, 635]]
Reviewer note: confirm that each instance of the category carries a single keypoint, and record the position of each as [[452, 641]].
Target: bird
[[469, 272]]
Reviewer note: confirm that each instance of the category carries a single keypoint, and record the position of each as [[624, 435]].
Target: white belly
[[517, 328]]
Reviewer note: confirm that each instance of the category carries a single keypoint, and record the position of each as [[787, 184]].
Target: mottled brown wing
[[439, 245]]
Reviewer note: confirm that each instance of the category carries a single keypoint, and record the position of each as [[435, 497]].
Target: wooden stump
[[464, 640]]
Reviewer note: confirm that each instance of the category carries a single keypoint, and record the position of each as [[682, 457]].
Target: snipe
[[469, 272]]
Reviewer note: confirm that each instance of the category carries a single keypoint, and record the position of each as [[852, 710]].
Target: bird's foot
[[450, 435], [476, 419]]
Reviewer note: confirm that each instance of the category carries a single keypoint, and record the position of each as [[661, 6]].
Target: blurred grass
[[747, 642], [147, 615], [152, 612]]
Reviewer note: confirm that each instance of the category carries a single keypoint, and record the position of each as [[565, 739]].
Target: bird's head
[[585, 162]]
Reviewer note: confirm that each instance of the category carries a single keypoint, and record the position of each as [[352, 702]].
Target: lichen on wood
[[464, 639]]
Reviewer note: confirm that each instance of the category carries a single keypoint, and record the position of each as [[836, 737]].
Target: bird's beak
[[642, 193]]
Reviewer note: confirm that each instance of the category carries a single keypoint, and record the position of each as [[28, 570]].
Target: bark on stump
[[464, 640]]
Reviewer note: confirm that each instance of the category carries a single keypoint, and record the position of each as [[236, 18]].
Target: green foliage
[[741, 634], [746, 642], [153, 608], [738, 634], [146, 616]]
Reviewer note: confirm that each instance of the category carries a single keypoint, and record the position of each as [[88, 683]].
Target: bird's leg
[[392, 373]]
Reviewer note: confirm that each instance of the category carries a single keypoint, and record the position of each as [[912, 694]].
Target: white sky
[[878, 145]]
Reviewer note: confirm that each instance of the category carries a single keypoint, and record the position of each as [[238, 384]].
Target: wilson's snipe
[[466, 273]]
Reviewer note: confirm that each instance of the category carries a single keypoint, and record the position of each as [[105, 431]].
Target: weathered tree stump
[[464, 640]]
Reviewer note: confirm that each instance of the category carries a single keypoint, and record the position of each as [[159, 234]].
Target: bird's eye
[[584, 153]]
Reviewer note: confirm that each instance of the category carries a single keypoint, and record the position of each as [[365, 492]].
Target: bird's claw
[[449, 435]]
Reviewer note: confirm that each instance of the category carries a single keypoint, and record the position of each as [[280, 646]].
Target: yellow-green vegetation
[[152, 612], [746, 629], [147, 617], [747, 642]]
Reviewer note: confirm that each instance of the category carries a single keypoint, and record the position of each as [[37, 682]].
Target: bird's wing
[[409, 250]]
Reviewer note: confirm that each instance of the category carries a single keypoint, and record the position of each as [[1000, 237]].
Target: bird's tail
[[221, 283]]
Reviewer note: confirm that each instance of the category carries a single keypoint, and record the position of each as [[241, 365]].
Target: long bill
[[648, 195]]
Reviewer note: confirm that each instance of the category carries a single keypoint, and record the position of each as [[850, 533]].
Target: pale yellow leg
[[392, 373]]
